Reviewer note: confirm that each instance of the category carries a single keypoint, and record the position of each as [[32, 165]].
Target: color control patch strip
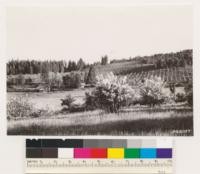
[[103, 149]]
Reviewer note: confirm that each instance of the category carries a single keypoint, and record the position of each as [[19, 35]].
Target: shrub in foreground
[[67, 101], [70, 106], [19, 107]]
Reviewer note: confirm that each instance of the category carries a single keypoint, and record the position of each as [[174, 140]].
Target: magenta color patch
[[82, 153]]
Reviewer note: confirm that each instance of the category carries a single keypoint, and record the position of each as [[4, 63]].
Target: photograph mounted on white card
[[100, 70]]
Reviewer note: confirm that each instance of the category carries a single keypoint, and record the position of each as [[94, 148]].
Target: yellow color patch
[[115, 152]]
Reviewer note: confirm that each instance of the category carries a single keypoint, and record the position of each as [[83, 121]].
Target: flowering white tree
[[152, 91], [112, 92]]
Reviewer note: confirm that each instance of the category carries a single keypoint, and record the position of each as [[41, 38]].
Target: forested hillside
[[119, 66]]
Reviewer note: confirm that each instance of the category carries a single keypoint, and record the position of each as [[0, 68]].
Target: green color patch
[[131, 153]]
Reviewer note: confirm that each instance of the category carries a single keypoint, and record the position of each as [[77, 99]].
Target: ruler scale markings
[[134, 165]]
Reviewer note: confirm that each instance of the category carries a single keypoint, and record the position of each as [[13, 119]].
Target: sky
[[63, 32]]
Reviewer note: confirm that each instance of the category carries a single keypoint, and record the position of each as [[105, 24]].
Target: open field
[[146, 121], [49, 100]]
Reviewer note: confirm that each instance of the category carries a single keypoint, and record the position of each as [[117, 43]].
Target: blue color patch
[[148, 153]]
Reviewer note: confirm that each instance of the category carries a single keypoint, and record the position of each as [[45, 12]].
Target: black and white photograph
[[100, 70]]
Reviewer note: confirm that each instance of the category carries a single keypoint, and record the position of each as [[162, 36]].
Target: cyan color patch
[[148, 153]]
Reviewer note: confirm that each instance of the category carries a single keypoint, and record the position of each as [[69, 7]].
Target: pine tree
[[104, 60], [91, 78], [80, 64]]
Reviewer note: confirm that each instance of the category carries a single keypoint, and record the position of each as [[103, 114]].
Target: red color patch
[[98, 153]]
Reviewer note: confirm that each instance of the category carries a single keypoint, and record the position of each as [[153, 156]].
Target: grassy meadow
[[137, 120]]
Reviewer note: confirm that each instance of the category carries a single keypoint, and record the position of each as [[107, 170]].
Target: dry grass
[[147, 122]]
